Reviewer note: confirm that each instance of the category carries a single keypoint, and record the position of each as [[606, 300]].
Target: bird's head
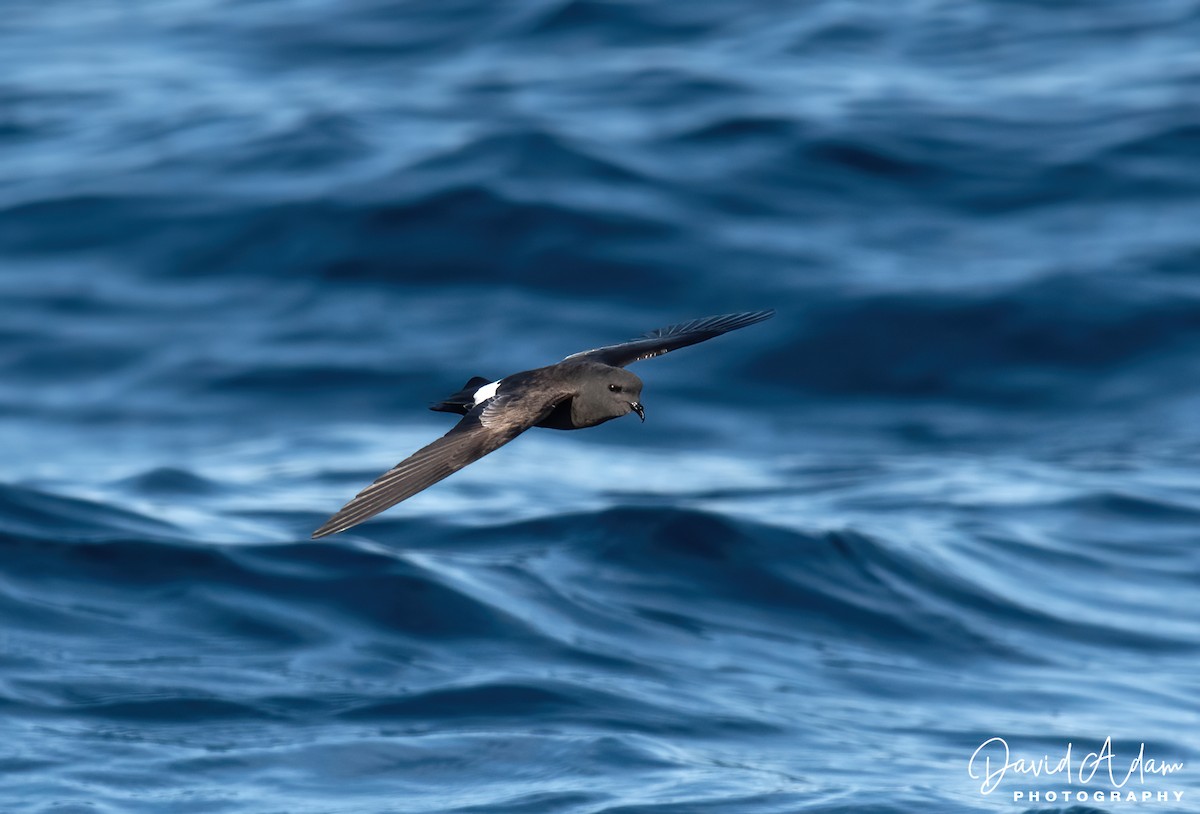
[[625, 389], [615, 392]]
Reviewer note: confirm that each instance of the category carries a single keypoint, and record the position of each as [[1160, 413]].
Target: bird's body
[[581, 409], [583, 390]]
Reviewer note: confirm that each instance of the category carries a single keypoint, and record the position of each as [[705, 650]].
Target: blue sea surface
[[949, 493]]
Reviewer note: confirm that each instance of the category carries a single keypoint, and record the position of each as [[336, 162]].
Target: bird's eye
[[616, 388]]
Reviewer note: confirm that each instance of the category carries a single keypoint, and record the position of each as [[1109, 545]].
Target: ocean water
[[950, 493]]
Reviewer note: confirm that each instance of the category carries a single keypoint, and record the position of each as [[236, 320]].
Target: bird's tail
[[461, 401]]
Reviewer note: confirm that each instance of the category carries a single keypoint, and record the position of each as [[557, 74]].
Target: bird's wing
[[664, 340], [484, 429]]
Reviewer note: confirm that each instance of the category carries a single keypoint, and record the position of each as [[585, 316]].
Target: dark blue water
[[949, 493]]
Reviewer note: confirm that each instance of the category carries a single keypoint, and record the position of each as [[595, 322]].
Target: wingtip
[[336, 525], [752, 317]]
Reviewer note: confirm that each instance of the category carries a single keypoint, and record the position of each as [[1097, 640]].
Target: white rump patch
[[486, 392]]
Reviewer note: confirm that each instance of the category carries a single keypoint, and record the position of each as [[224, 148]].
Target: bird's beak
[[639, 409]]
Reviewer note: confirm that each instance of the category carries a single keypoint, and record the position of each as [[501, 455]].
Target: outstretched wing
[[484, 429], [665, 340]]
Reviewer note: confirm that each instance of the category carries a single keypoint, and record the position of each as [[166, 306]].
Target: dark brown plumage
[[583, 390]]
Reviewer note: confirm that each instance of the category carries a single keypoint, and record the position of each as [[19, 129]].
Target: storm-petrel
[[583, 390]]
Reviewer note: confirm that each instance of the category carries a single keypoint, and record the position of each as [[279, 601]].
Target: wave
[[609, 576], [1041, 343], [945, 490], [31, 514]]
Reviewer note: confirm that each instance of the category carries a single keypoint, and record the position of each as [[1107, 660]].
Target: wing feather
[[673, 337], [484, 429]]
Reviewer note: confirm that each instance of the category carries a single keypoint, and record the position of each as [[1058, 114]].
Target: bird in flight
[[583, 390]]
